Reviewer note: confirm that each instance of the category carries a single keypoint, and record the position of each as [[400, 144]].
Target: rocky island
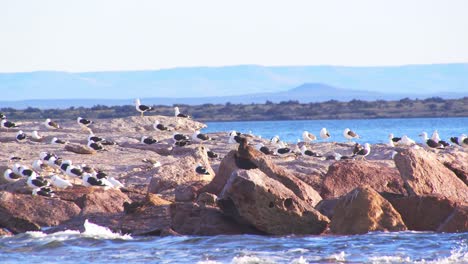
[[241, 191]]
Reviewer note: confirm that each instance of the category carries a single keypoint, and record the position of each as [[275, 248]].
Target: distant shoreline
[[286, 110]]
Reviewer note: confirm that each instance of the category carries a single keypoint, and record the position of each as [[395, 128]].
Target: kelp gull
[[349, 134], [51, 124], [142, 108], [324, 134]]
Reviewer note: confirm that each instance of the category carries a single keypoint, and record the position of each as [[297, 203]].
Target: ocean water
[[99, 245], [370, 130]]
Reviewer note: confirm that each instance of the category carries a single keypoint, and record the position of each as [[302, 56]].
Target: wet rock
[[21, 212], [364, 210], [423, 175], [252, 197], [151, 217], [192, 219], [426, 213], [456, 222], [327, 207], [344, 176]]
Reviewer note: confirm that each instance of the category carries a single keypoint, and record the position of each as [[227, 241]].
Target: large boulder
[[364, 210], [181, 173], [227, 166], [252, 197], [151, 217], [24, 212], [457, 221], [193, 219], [344, 176], [457, 161], [425, 175], [429, 213]]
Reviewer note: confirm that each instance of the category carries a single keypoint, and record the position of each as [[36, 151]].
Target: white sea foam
[[389, 259], [96, 231], [456, 256], [250, 260], [300, 260], [338, 257], [91, 230], [208, 262]]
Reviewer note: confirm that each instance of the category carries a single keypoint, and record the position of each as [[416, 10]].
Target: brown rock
[[227, 166], [24, 212], [456, 222], [425, 175], [207, 199], [277, 173], [79, 149], [364, 210], [181, 172], [5, 232], [101, 201], [327, 207], [192, 219], [252, 197], [149, 219], [460, 169], [425, 213], [344, 176]]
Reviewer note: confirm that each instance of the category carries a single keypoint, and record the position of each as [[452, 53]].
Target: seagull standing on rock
[[142, 108], [349, 134], [429, 142], [84, 123], [308, 137], [199, 137], [177, 113], [324, 134]]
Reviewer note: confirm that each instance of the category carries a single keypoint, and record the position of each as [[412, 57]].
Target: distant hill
[[305, 93], [213, 82]]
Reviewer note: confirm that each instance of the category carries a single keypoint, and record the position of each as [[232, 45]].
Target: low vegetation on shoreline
[[287, 110]]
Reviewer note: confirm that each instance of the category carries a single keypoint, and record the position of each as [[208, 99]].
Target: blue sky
[[89, 35]]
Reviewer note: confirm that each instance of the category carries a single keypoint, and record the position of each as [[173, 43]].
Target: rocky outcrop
[[277, 173], [251, 197], [181, 173], [456, 161], [151, 217], [430, 213], [344, 176], [364, 210], [193, 219], [226, 168], [23, 212], [456, 222], [423, 175]]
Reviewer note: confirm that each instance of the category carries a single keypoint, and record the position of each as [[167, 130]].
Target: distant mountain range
[[308, 92], [244, 83]]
